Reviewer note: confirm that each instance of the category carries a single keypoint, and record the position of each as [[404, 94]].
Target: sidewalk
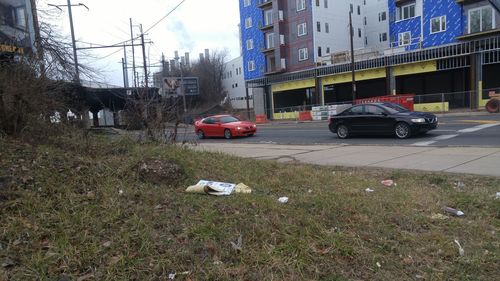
[[466, 160]]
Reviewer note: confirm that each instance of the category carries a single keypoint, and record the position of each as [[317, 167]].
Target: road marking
[[434, 140], [444, 137], [477, 128], [444, 130], [480, 121], [423, 143]]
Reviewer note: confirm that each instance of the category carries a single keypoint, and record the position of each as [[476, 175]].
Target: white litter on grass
[[461, 251], [378, 264], [171, 276], [283, 200], [369, 190], [498, 195], [120, 191]]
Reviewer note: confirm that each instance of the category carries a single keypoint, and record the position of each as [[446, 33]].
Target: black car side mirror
[[384, 114]]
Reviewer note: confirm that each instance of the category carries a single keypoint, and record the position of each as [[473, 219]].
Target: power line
[[168, 14], [154, 25], [109, 55]]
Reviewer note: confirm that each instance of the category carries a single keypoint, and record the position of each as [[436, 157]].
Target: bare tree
[[32, 88], [210, 72]]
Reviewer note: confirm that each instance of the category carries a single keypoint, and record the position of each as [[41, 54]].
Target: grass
[[63, 216]]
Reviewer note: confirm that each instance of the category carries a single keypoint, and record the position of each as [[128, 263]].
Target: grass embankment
[[75, 214]]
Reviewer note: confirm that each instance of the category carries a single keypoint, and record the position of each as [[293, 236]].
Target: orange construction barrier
[[261, 119], [305, 116]]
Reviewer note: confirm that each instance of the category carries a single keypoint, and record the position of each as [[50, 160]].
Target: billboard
[[17, 26], [171, 86]]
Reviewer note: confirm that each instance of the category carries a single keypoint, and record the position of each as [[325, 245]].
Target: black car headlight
[[418, 120]]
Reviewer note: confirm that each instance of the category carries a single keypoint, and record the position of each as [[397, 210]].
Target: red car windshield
[[228, 119]]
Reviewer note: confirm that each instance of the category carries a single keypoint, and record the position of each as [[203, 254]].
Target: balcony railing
[[490, 46], [264, 3]]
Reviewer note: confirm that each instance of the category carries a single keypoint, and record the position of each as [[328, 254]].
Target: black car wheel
[[200, 134], [342, 131], [227, 133], [402, 130]]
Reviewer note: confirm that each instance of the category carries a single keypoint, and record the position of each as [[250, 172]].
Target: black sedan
[[381, 119]]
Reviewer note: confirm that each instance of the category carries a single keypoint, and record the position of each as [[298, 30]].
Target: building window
[[20, 14], [481, 19], [359, 10], [246, 3], [236, 85], [301, 5], [251, 65], [359, 32], [327, 27], [382, 16], [351, 8], [302, 29], [382, 37], [327, 50], [268, 17], [270, 40], [326, 3], [248, 22], [249, 44], [366, 40], [404, 38], [406, 12], [303, 55], [438, 24], [319, 51], [318, 26], [317, 3]]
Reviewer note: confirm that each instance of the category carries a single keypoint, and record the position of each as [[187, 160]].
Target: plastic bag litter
[[388, 183], [369, 190], [283, 200], [453, 211], [218, 188], [461, 250]]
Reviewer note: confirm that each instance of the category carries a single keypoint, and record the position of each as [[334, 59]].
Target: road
[[477, 131]]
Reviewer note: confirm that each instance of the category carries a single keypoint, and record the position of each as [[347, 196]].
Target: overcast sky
[[194, 26]]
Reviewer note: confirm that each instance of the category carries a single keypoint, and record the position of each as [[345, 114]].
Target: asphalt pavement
[[472, 131]]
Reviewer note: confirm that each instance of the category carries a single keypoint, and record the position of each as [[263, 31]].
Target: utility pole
[[144, 62], [183, 91], [133, 53], [77, 72], [125, 67], [351, 35], [76, 78], [248, 102]]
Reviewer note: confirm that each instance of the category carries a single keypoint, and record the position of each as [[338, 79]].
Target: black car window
[[373, 110], [208, 120], [394, 108], [228, 119], [356, 110]]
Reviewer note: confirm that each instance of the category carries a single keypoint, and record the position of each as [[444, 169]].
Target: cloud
[[182, 35]]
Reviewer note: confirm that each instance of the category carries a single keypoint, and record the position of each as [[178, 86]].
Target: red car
[[224, 126]]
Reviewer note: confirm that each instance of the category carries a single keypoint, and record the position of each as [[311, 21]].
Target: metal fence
[[466, 101]]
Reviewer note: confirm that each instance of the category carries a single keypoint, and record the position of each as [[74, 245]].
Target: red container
[[404, 100], [305, 116], [260, 119]]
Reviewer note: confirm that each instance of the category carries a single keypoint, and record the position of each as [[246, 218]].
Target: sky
[[194, 26]]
